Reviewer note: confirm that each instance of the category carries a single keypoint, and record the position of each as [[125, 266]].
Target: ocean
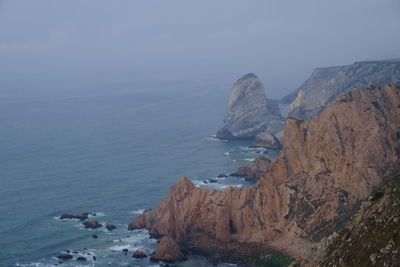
[[113, 153]]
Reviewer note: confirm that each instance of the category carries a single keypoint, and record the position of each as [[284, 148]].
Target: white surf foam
[[139, 211]]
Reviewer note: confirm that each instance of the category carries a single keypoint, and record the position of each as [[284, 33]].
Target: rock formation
[[326, 84], [249, 111], [326, 167]]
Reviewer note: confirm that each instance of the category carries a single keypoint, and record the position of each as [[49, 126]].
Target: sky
[[60, 45]]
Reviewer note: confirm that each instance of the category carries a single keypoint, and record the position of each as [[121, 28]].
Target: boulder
[[168, 250], [222, 175], [110, 227], [139, 254], [81, 258], [92, 224]]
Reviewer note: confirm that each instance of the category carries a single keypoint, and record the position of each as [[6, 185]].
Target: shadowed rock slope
[[327, 166], [326, 84], [249, 111], [371, 238]]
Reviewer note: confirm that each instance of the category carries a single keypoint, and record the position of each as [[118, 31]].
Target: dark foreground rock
[[81, 258], [139, 254], [168, 250], [110, 227], [92, 224]]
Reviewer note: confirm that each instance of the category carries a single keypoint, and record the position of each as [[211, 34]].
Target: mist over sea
[[115, 154]]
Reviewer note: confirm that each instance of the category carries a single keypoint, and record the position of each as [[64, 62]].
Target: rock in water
[[110, 227], [168, 250], [139, 254], [249, 111], [92, 224]]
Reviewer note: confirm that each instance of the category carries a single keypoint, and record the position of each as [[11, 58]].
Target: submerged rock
[[82, 216], [81, 258], [249, 111], [168, 250], [92, 224], [65, 257], [222, 175]]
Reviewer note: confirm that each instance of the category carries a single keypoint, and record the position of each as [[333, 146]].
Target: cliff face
[[249, 111], [326, 84], [371, 238], [326, 167]]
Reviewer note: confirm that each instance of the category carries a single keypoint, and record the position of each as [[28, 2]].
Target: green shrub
[[377, 195]]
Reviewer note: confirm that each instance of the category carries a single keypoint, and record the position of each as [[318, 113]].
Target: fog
[[81, 45]]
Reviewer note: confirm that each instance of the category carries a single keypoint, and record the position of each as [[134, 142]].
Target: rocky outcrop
[[168, 250], [326, 84], [326, 167], [258, 167], [371, 238], [249, 111]]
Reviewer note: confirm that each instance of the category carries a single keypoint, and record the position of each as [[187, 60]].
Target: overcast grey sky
[[53, 41]]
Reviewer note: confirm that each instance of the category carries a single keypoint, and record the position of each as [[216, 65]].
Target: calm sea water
[[112, 154]]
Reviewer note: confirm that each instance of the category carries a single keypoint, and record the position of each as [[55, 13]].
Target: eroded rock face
[[249, 111], [326, 84], [325, 168], [168, 250]]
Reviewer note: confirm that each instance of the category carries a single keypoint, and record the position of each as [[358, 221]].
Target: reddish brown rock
[[326, 167], [168, 250], [92, 224], [139, 254], [222, 175]]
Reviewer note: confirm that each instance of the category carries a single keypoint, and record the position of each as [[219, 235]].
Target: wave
[[139, 211]]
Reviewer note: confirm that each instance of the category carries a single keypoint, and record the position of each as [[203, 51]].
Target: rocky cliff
[[326, 167], [371, 238], [326, 84], [249, 111]]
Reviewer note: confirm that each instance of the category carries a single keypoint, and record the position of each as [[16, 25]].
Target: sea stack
[[249, 111]]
